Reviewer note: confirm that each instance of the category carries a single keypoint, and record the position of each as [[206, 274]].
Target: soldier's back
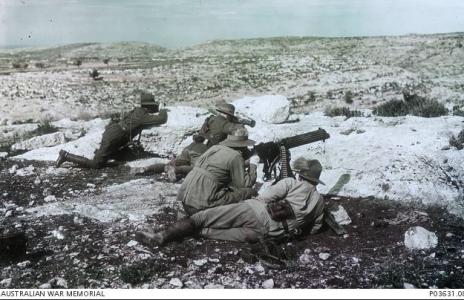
[[218, 129]]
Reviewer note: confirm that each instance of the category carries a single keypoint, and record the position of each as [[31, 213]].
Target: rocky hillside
[[394, 164], [313, 72]]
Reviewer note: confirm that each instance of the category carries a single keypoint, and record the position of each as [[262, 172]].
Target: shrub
[[309, 97], [458, 141], [39, 65], [106, 61], [78, 62], [348, 97], [458, 111], [342, 111], [94, 74], [45, 127], [411, 105], [20, 65]]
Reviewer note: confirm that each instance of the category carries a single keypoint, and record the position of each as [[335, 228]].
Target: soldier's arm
[[251, 175], [150, 120], [184, 158], [231, 127], [275, 192], [238, 176]]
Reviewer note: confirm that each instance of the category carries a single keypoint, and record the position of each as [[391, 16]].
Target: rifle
[[238, 119], [273, 153], [245, 121]]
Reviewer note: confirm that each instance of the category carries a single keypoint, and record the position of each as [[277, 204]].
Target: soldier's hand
[[254, 159], [254, 191], [250, 193], [247, 163], [252, 168]]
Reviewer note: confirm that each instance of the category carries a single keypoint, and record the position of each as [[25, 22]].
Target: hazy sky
[[177, 23]]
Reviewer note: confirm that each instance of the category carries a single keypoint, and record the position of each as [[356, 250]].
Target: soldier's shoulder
[[198, 147], [139, 110], [217, 118], [226, 150], [307, 185], [288, 181]]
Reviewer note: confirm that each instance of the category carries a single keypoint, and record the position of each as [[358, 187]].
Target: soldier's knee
[[97, 164], [189, 209], [251, 236]]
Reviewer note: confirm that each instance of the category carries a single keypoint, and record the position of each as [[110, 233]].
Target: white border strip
[[230, 294]]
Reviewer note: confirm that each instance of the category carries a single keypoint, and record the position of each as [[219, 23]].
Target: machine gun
[[272, 154]]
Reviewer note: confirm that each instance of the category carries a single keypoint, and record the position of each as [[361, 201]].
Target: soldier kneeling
[[119, 135]]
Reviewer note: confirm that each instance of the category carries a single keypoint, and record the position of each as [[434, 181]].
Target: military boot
[[61, 158], [156, 168], [175, 232], [171, 172], [80, 161]]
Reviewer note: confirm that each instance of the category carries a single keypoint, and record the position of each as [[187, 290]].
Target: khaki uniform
[[121, 134], [249, 220], [190, 154], [217, 128], [218, 178]]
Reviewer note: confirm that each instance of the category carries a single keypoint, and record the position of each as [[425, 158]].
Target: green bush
[[342, 111], [348, 97], [411, 105]]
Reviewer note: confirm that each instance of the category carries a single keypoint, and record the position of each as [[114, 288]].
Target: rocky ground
[[75, 251], [80, 224]]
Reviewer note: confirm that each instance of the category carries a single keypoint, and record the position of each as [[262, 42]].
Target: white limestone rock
[[408, 286], [5, 283], [341, 216], [45, 286], [213, 286], [50, 198], [61, 283], [46, 140], [132, 243], [273, 109], [138, 165], [306, 257], [420, 238], [176, 282], [324, 256], [200, 262], [23, 264], [268, 284]]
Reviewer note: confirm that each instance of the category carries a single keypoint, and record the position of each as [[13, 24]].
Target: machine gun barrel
[[305, 138]]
